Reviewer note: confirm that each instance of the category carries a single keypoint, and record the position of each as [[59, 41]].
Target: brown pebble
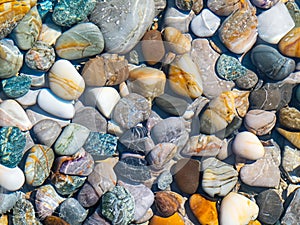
[[153, 47], [166, 203], [54, 220]]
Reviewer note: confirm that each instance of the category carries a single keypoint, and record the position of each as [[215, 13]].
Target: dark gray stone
[[292, 215], [72, 212], [172, 105]]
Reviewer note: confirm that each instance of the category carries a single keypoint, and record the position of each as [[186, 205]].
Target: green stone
[[16, 86], [12, 144], [294, 12], [70, 12], [67, 184]]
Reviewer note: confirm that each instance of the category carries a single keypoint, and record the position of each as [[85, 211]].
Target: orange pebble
[[175, 219], [254, 222]]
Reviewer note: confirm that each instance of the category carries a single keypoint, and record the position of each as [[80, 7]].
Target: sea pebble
[[68, 13], [87, 196], [28, 29], [184, 4], [54, 220], [177, 42], [224, 7], [248, 81], [170, 104], [71, 139], [131, 110], [219, 178], [187, 173], [292, 137], [159, 5], [290, 163], [38, 164], [289, 44], [112, 17], [175, 219], [11, 179], [204, 210], [11, 59], [269, 213], [164, 180], [96, 219], [105, 98], [7, 202], [65, 81], [272, 28], [166, 204], [29, 99], [289, 117], [260, 122], [59, 107], [118, 206], [72, 212], [264, 4], [47, 131], [17, 86], [205, 24], [12, 114], [294, 11], [81, 41], [248, 146], [292, 213], [23, 213], [236, 209], [49, 32]]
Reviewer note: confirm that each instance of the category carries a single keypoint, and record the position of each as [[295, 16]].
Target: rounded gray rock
[[72, 212], [47, 131]]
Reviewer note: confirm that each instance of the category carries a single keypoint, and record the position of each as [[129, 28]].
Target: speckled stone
[[23, 213], [170, 104], [17, 86], [292, 214], [70, 12], [290, 163], [118, 206], [12, 142], [164, 180], [248, 81], [166, 203], [72, 212], [7, 202], [289, 117], [47, 131]]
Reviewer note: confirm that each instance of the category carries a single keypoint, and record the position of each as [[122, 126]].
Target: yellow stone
[[293, 137], [175, 219], [254, 222], [289, 45], [204, 210], [4, 220]]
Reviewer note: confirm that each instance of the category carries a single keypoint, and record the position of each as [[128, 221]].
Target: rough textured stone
[[17, 86], [291, 163], [72, 212], [292, 214]]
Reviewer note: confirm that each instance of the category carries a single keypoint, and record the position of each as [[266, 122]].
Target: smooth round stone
[[170, 104], [166, 203], [50, 103], [164, 180], [12, 144], [177, 41], [29, 98], [54, 220], [247, 81], [81, 41], [118, 200], [71, 139], [248, 146], [175, 219], [11, 179], [50, 32], [72, 212], [17, 86], [40, 57], [87, 195], [119, 20], [160, 155], [292, 214], [237, 209], [69, 12], [11, 60], [289, 117], [289, 45], [131, 110], [205, 24], [23, 213], [269, 62], [270, 206], [47, 131], [290, 163], [187, 172], [264, 4], [65, 81], [7, 202], [28, 29]]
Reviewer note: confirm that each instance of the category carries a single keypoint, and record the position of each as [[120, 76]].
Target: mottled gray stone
[[72, 212], [291, 163], [87, 195], [170, 104], [164, 180], [47, 131], [292, 214]]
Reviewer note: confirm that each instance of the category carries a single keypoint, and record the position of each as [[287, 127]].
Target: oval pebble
[[205, 24], [72, 212], [47, 131], [17, 86], [11, 179]]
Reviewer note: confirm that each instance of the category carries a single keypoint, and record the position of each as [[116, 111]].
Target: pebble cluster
[[180, 112]]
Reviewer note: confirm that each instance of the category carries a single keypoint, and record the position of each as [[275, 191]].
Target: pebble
[[71, 139], [16, 87], [11, 60], [65, 81], [264, 4], [166, 204], [28, 29], [159, 5], [175, 219], [29, 99], [177, 42], [248, 146], [294, 11], [219, 178], [269, 213], [269, 62], [23, 213], [7, 202], [12, 114], [281, 24], [289, 117], [204, 210], [118, 206], [60, 108], [290, 163], [38, 164], [164, 180], [54, 220], [11, 179], [248, 81], [260, 122], [96, 219], [292, 214], [224, 7], [170, 104], [236, 209], [67, 12], [81, 41], [184, 4], [72, 212], [292, 137], [40, 56], [47, 131], [131, 110], [264, 172], [205, 24], [117, 27], [49, 32], [4, 219], [187, 173], [87, 196], [289, 44]]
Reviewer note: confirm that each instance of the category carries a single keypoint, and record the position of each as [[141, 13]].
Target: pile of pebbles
[[149, 112]]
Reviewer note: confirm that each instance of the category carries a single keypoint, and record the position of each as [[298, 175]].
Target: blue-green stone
[[298, 93], [12, 144], [230, 68], [101, 144], [44, 6], [70, 12], [67, 184], [16, 86], [118, 206]]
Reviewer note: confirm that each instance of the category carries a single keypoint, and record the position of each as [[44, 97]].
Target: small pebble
[[289, 117], [160, 155], [292, 214], [166, 204], [248, 81], [175, 219], [47, 131], [11, 179], [17, 86], [72, 212], [164, 180], [54, 220], [293, 137], [178, 43], [205, 24], [173, 105], [290, 163]]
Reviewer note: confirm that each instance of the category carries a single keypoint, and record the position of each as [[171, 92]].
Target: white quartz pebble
[[248, 146], [50, 103], [29, 98], [205, 24], [11, 179]]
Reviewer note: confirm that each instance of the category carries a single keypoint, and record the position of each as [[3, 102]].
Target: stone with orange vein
[[289, 45]]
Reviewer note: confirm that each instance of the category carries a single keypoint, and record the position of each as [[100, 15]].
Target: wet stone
[[54, 220], [173, 105], [72, 212], [166, 204], [16, 86], [47, 131], [292, 214]]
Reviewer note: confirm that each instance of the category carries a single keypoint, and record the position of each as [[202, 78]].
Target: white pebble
[[11, 179], [205, 24]]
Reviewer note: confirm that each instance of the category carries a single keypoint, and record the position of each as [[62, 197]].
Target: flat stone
[[170, 104], [292, 214], [47, 131], [247, 81], [72, 212], [291, 163]]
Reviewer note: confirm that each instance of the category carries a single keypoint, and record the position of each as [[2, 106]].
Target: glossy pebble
[[72, 212], [15, 87], [47, 131], [23, 213], [230, 68], [11, 179], [205, 24], [178, 43], [175, 219]]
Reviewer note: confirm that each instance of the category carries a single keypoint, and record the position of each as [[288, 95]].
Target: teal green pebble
[[118, 206], [67, 184], [69, 12], [298, 93], [16, 86], [12, 144], [229, 68]]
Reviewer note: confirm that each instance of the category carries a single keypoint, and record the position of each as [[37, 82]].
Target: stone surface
[[291, 215], [290, 43], [29, 99], [50, 32], [54, 220], [17, 86], [290, 163], [177, 42], [11, 179], [164, 180], [222, 8], [289, 117], [7, 202], [160, 155], [23, 213], [87, 195], [166, 203], [47, 131], [72, 212], [205, 24], [175, 219], [292, 137], [264, 4], [248, 81], [170, 104]]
